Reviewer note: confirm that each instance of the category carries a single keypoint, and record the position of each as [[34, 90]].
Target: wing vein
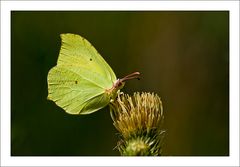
[[87, 80]]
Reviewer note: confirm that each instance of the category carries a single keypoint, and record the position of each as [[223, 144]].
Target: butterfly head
[[119, 84]]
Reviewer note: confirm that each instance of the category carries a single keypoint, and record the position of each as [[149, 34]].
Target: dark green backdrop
[[183, 56]]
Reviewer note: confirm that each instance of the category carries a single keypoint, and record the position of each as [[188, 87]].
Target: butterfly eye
[[120, 84], [90, 59]]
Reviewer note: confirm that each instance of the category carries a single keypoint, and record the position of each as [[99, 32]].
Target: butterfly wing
[[78, 82], [77, 51], [70, 89]]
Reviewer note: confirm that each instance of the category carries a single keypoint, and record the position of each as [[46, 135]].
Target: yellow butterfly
[[82, 82]]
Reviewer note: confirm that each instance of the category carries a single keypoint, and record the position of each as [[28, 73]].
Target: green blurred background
[[183, 56]]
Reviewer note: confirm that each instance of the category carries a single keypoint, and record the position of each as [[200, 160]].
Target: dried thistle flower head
[[138, 118]]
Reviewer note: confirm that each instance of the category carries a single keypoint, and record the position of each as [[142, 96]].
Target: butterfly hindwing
[[73, 92]]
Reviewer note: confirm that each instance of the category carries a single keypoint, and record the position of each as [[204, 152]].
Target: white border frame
[[7, 6]]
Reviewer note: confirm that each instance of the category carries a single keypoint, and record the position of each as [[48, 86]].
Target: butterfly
[[82, 82]]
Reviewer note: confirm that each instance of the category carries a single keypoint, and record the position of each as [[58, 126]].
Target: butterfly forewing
[[77, 51]]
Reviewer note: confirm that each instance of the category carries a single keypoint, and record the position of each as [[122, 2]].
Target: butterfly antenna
[[135, 75]]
